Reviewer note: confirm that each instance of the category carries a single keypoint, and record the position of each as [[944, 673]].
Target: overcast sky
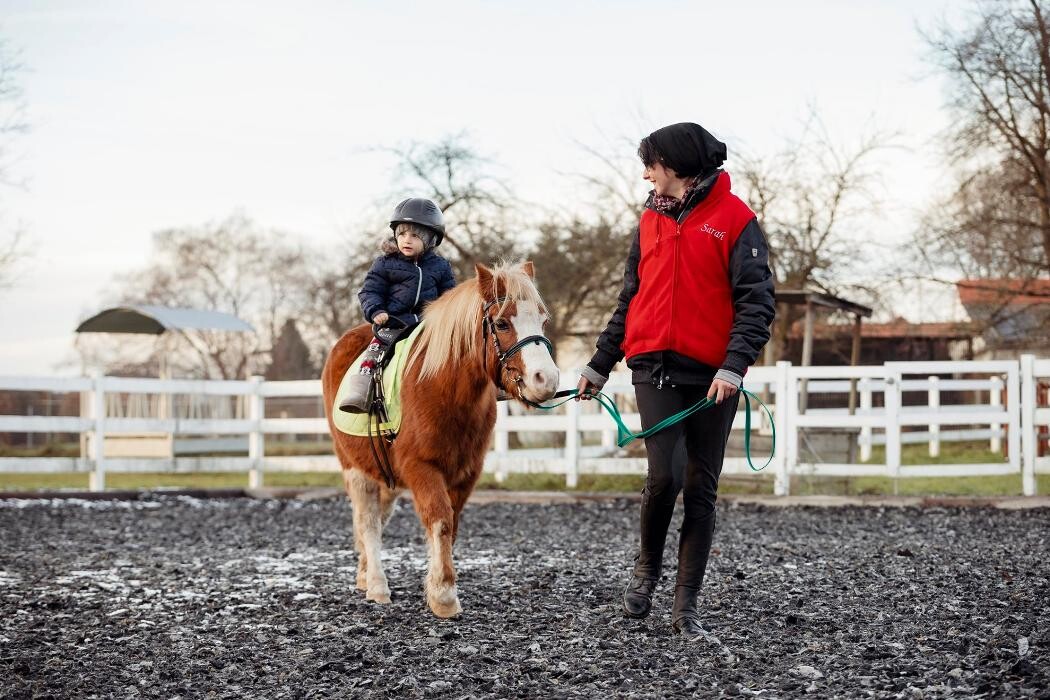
[[150, 115]]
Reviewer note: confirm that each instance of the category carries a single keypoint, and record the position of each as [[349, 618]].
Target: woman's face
[[409, 243], [664, 180]]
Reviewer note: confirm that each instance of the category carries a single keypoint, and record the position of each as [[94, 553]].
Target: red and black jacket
[[697, 293]]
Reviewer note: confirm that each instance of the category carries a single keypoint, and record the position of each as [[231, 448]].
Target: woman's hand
[[721, 389], [381, 318], [585, 389]]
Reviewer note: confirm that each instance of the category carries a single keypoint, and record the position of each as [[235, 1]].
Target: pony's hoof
[[446, 610], [381, 597], [362, 582], [446, 604]]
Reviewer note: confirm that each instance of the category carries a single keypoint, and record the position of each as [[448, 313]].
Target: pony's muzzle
[[542, 384]]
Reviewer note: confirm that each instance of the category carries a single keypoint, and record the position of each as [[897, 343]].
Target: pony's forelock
[[453, 321]]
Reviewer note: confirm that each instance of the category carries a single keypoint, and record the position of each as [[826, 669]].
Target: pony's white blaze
[[541, 375]]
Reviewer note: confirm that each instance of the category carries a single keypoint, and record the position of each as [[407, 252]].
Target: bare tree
[[12, 123], [12, 250], [613, 181], [478, 206], [814, 199], [993, 227], [331, 288], [232, 266], [579, 270], [996, 222], [580, 257]]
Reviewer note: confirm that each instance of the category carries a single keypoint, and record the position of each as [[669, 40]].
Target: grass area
[[154, 480], [951, 453], [736, 485], [975, 452], [1008, 485]]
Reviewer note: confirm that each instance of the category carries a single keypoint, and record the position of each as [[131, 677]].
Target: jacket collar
[[427, 254], [716, 183]]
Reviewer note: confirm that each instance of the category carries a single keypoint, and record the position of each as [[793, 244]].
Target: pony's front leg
[[435, 513], [368, 534]]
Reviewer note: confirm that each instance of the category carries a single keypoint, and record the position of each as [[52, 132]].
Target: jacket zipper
[[419, 287], [674, 284], [678, 220]]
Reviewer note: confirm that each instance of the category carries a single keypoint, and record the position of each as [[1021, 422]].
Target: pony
[[482, 335]]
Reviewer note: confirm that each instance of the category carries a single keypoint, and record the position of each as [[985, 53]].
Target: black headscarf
[[686, 148]]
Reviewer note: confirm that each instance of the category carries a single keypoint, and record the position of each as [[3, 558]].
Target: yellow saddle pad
[[357, 423]]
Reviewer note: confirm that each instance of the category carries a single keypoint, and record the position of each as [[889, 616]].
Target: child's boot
[[359, 385]]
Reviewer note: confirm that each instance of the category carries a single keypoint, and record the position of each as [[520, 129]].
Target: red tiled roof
[[898, 328], [1003, 291]]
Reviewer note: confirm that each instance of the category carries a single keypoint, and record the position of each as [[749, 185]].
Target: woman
[[693, 315]]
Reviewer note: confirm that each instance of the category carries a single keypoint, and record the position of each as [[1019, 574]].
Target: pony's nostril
[[539, 379]]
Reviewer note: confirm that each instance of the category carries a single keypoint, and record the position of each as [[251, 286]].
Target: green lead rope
[[625, 436]]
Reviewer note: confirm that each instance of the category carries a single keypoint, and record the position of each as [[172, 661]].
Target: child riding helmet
[[421, 211]]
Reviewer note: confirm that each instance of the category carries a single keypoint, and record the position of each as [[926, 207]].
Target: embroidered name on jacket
[[706, 228]]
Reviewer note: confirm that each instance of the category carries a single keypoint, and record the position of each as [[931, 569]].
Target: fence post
[[934, 400], [256, 412], [996, 443], [893, 426], [97, 477], [865, 408], [786, 397], [572, 443], [1029, 429], [502, 440]]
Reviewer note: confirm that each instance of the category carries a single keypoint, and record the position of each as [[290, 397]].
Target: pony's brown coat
[[448, 412]]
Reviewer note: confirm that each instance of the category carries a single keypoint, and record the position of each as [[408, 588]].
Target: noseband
[[489, 328]]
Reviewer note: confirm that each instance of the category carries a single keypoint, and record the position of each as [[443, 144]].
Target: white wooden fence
[[1002, 408]]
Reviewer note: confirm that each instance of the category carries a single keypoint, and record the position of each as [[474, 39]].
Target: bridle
[[502, 356]]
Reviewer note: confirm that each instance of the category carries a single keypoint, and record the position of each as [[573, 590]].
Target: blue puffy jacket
[[401, 286]]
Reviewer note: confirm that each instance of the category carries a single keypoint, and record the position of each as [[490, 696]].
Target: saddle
[[389, 372]]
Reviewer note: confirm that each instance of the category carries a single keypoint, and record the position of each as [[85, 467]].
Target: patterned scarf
[[666, 204]]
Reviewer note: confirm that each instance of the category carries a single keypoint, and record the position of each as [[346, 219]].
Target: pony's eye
[[502, 325]]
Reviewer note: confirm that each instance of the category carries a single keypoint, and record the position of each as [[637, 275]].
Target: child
[[408, 275]]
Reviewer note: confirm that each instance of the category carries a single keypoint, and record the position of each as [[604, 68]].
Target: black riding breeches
[[685, 457]]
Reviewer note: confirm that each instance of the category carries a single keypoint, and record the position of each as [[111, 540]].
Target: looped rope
[[625, 436]]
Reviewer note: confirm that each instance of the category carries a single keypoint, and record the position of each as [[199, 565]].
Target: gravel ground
[[177, 597]]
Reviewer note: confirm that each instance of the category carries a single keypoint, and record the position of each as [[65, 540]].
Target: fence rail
[[1006, 405]]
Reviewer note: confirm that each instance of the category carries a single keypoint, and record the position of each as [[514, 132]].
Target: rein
[[624, 435], [380, 440]]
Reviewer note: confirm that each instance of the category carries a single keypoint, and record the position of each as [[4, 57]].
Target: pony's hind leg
[[368, 534], [435, 513]]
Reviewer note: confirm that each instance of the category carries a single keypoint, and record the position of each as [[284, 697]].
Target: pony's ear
[[528, 269], [485, 283]]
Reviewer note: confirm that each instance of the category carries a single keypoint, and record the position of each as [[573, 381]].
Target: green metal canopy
[[154, 320]]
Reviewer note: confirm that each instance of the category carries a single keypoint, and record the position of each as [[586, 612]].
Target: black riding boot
[[694, 545], [655, 517]]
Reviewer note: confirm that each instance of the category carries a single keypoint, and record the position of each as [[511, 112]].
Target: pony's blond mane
[[452, 323]]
